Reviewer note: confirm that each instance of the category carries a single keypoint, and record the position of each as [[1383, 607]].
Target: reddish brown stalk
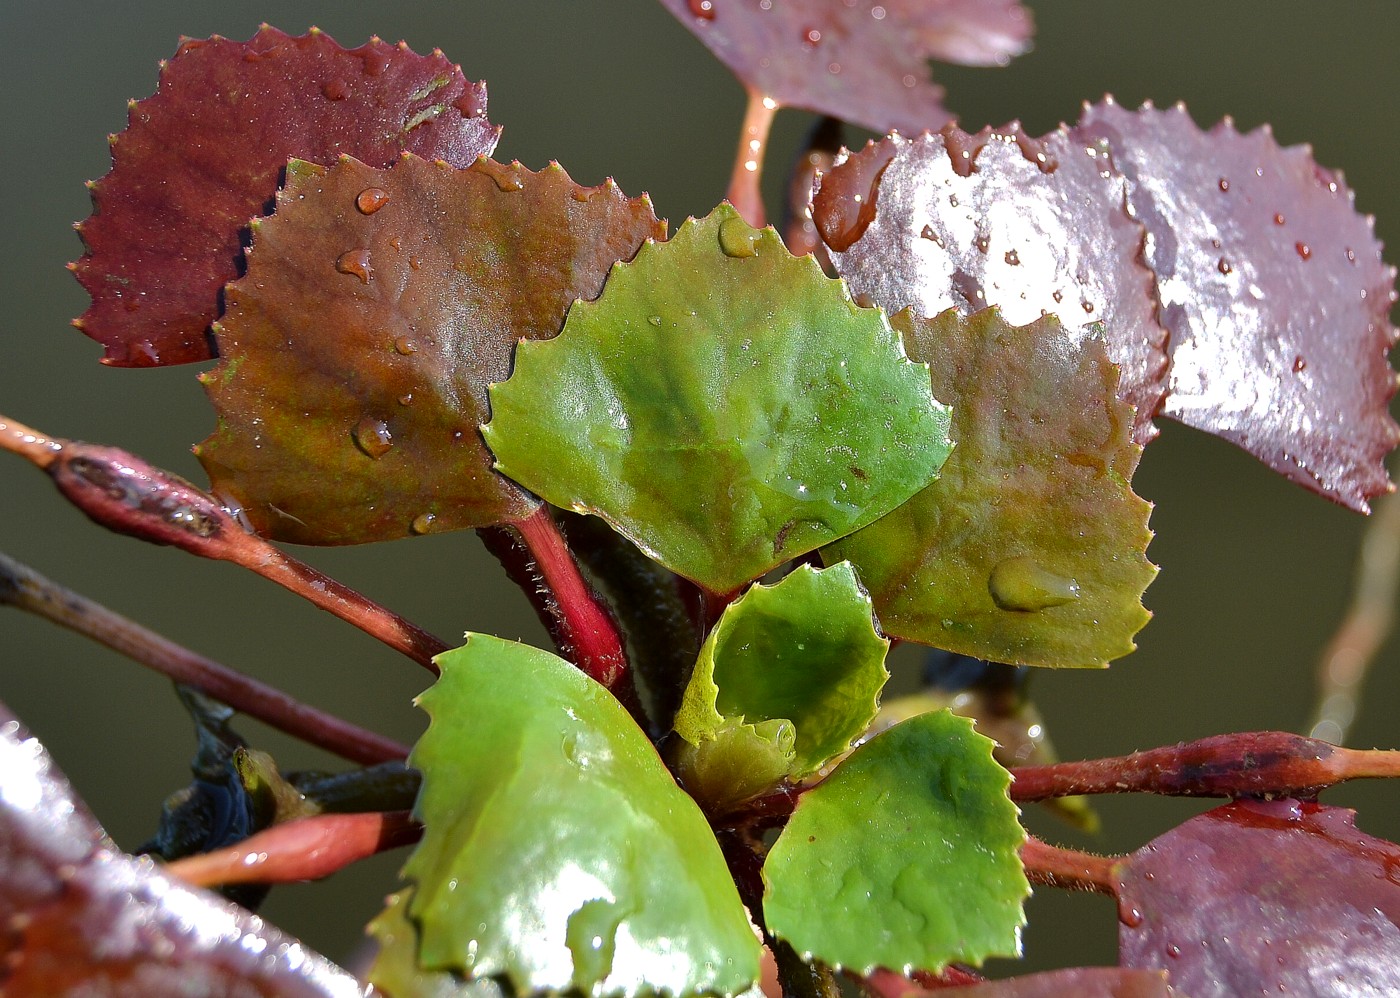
[[22, 587], [582, 627], [1369, 620], [818, 155], [1250, 764], [305, 849], [1051, 866], [128, 495], [884, 983], [745, 193]]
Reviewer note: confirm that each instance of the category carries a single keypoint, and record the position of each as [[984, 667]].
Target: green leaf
[[1030, 548], [558, 852], [723, 404], [907, 856], [377, 307], [396, 972], [801, 661]]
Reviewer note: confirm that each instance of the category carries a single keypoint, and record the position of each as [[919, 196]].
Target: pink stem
[[585, 630], [1237, 765], [1051, 866], [128, 495], [745, 193], [304, 849], [28, 590]]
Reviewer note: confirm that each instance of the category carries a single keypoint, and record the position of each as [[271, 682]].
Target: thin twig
[[1250, 764], [1051, 866], [304, 849], [1368, 622], [22, 587], [129, 495], [745, 192], [823, 144]]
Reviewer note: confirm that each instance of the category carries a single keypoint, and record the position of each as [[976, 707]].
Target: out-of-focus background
[[1255, 572]]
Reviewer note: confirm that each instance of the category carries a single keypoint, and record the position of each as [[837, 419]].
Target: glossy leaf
[[1032, 226], [377, 307], [1274, 292], [802, 656], [81, 917], [1260, 896], [396, 972], [558, 852], [861, 61], [204, 155], [905, 857], [723, 404], [1029, 549]]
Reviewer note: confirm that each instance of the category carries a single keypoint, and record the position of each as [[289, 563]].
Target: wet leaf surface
[[1032, 226], [396, 972], [1281, 896], [803, 652], [906, 856], [723, 404], [203, 156], [1274, 292], [378, 306], [1030, 547], [863, 62], [79, 917], [558, 851]]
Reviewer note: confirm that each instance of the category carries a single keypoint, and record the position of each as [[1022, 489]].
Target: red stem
[[305, 849], [128, 495], [745, 193], [582, 627], [884, 983], [26, 589], [1259, 763], [1051, 866]]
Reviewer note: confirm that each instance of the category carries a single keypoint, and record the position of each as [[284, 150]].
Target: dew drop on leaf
[[371, 199], [737, 239], [1023, 584], [355, 263], [373, 437], [422, 523]]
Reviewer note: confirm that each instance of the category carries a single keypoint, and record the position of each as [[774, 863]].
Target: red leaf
[[1274, 292], [1257, 897], [1032, 226], [204, 155], [860, 61], [77, 916]]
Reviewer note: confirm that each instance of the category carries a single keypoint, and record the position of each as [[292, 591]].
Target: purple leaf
[[1274, 293]]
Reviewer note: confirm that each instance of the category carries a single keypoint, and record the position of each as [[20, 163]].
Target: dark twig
[[128, 495], [1251, 764], [22, 587]]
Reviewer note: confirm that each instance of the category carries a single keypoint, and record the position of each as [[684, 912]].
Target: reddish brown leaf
[[77, 916], [863, 62], [1274, 292], [1032, 226], [377, 308], [1259, 897], [1081, 982], [204, 155]]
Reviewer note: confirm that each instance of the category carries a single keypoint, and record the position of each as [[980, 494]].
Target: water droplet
[[877, 12], [406, 399], [373, 437], [335, 90], [355, 263], [1012, 258], [1299, 364], [812, 37], [655, 320], [909, 80], [1023, 584], [371, 199], [423, 523], [1279, 219], [1303, 249], [982, 243], [1130, 916], [953, 200], [413, 263], [1086, 305], [1351, 255], [737, 239], [405, 346], [507, 177], [591, 938], [1059, 296], [1223, 265], [1174, 951], [929, 234], [1224, 185], [703, 9]]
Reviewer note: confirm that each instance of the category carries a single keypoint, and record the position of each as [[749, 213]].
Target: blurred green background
[[1255, 572]]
